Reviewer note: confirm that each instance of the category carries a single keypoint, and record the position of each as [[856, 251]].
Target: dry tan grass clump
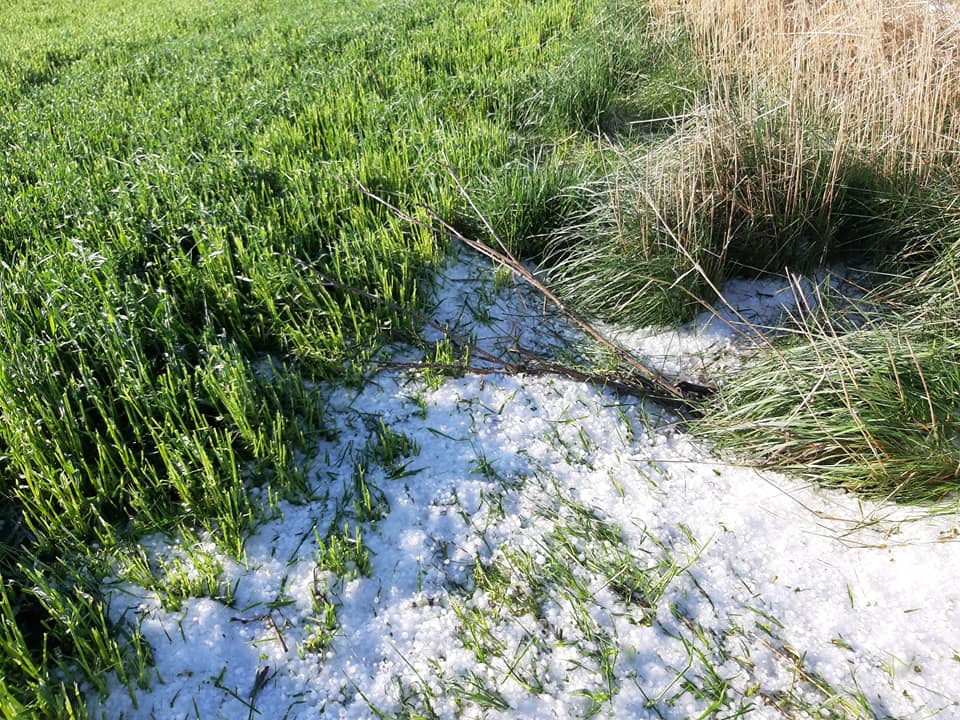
[[824, 128], [887, 70]]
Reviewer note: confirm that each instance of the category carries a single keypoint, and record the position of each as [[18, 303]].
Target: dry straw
[[886, 70], [814, 132]]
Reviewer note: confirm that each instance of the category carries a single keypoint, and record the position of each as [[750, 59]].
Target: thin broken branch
[[681, 395]]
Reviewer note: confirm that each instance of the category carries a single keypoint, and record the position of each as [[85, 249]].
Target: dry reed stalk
[[888, 69]]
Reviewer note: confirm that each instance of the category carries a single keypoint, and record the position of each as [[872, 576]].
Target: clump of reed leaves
[[863, 397], [731, 195], [872, 409], [826, 132]]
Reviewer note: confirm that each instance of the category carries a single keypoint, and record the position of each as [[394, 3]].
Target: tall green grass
[[863, 398], [168, 171]]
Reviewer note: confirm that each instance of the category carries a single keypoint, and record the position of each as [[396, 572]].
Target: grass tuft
[[823, 133], [872, 411]]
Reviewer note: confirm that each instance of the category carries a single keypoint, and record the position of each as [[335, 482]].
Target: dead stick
[[276, 629], [654, 380], [505, 258], [540, 367]]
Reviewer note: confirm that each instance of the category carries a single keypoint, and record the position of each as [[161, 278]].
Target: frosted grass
[[497, 561]]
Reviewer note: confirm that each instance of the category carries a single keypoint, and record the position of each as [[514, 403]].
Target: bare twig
[[619, 385], [680, 395], [267, 618]]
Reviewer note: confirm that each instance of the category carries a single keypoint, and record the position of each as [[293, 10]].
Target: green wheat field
[[188, 244]]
